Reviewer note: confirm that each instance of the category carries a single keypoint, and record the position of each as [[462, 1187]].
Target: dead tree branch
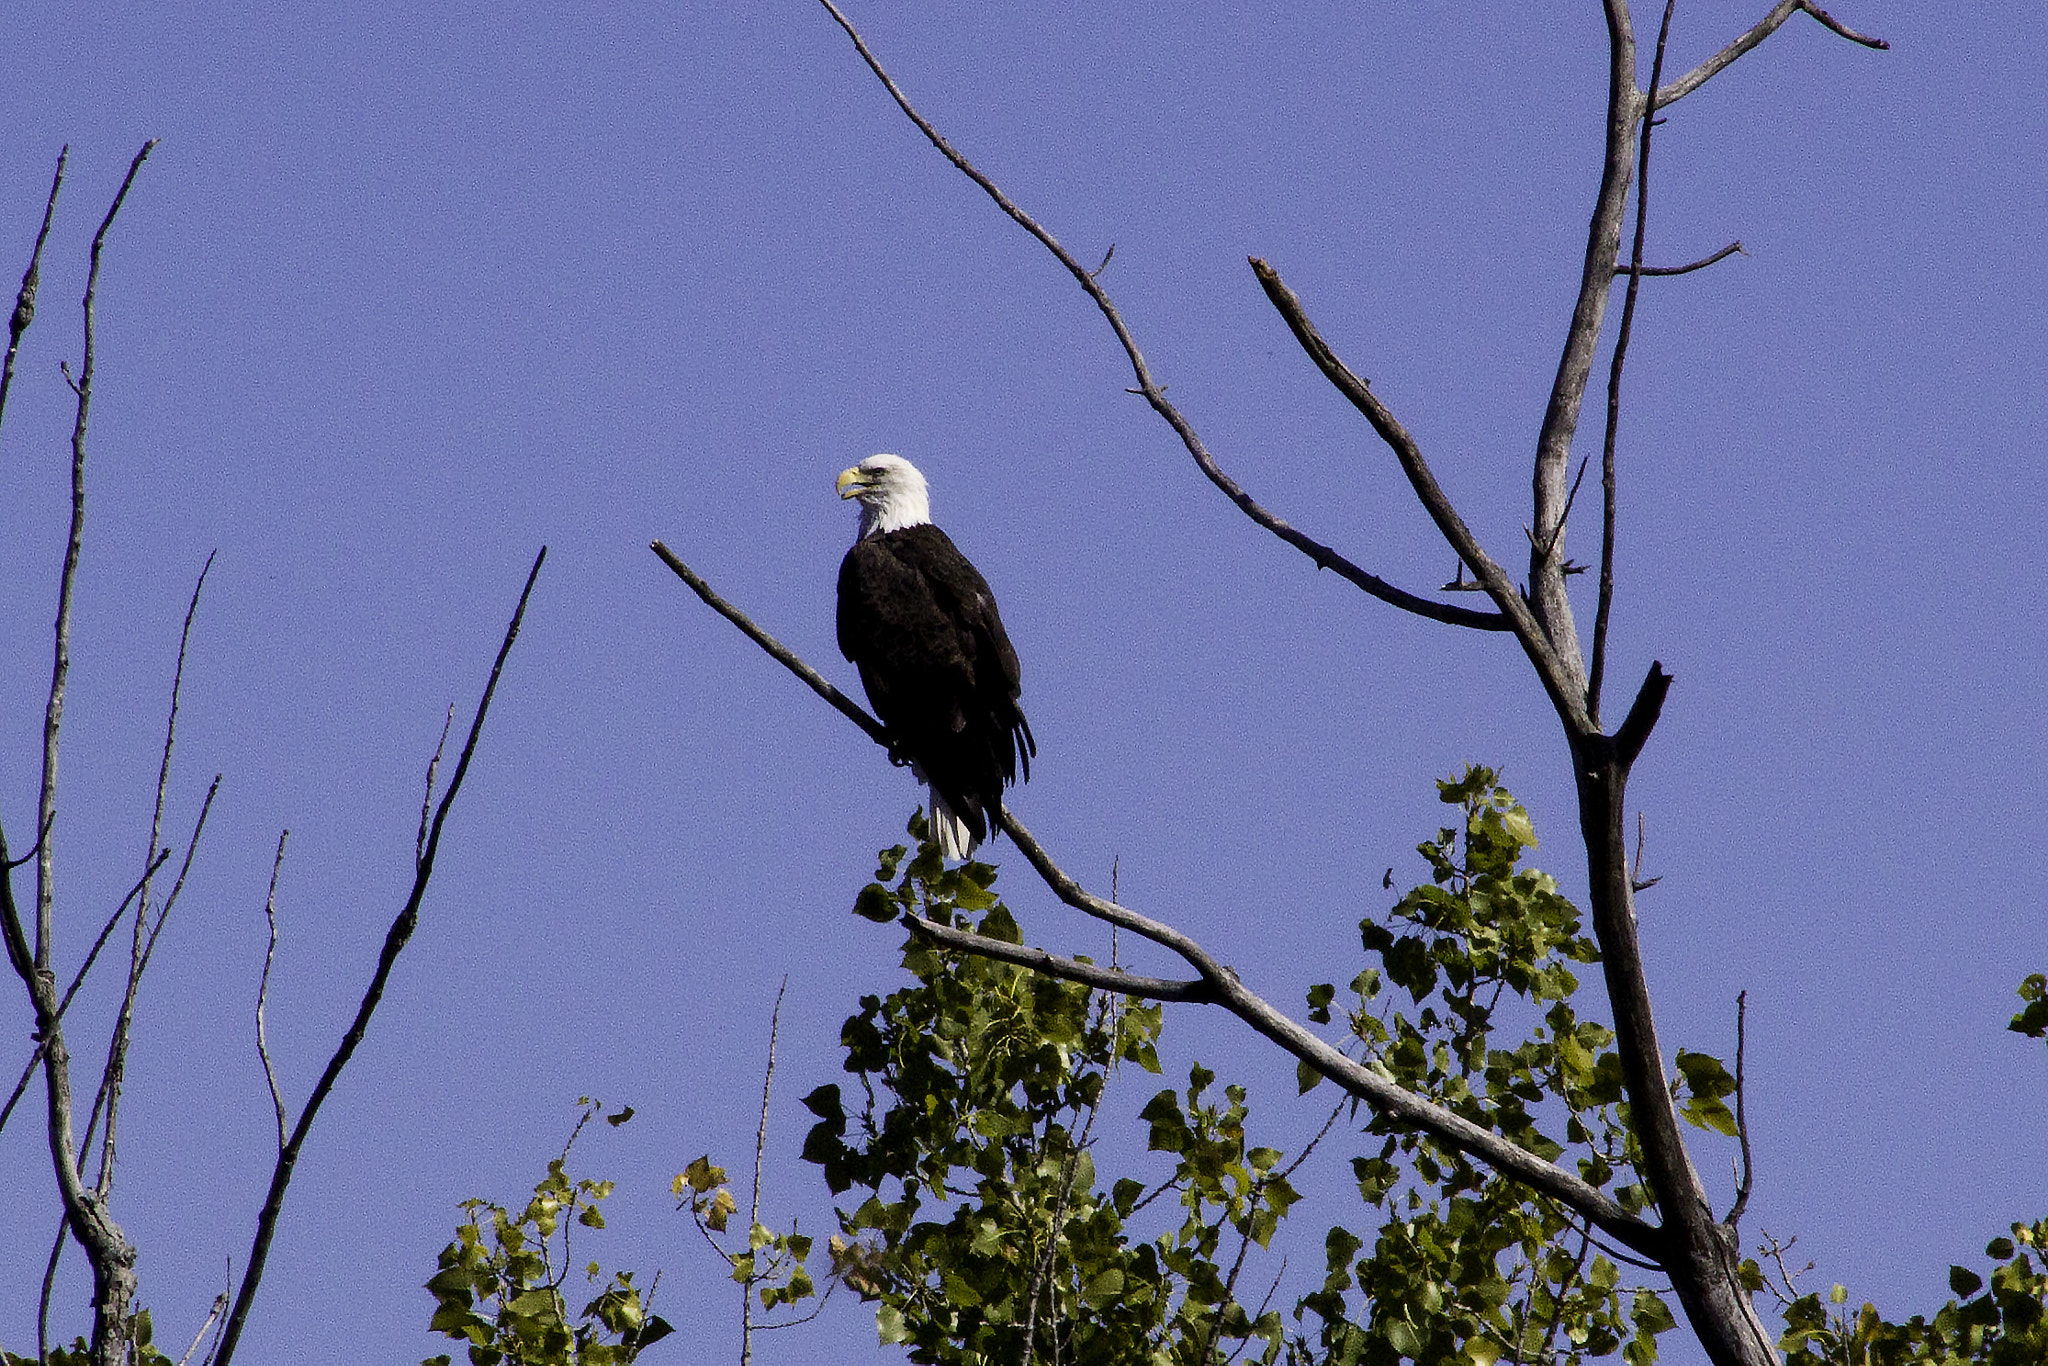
[[1765, 27], [394, 943], [1151, 391]]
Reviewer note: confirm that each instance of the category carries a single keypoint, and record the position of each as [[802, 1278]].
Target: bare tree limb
[[111, 1076], [1152, 392], [117, 1052], [1743, 1184], [25, 301], [1628, 317], [111, 1253], [1732, 249], [394, 943], [263, 994], [760, 1149], [35, 1056], [1764, 28], [777, 651]]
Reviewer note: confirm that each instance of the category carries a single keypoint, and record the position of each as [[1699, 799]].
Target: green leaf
[[1964, 1282]]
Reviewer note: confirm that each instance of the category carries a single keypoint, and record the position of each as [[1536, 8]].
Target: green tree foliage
[[985, 1232], [499, 1286], [978, 1219]]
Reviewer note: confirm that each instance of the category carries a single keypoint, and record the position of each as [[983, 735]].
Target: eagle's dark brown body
[[921, 625]]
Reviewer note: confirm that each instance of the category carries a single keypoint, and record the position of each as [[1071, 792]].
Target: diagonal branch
[[35, 1056], [394, 943], [112, 1077], [777, 651], [1220, 984], [1066, 969], [1765, 27], [1515, 614], [1153, 393]]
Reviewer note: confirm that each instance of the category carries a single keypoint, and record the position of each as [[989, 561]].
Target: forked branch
[[394, 943], [1764, 28], [1150, 390]]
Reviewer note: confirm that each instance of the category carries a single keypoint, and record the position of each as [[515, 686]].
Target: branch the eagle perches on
[[1697, 1250]]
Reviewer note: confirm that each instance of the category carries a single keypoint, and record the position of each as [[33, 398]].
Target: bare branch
[[1732, 249], [760, 1149], [394, 943], [60, 668], [1628, 317], [220, 1307], [1355, 1077], [138, 952], [263, 992], [1742, 1186], [114, 1072], [777, 651], [1765, 27], [25, 301], [1642, 716], [78, 978], [1150, 390]]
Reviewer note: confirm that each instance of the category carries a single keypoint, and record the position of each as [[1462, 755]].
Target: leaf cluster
[[1473, 1006], [985, 1233], [500, 1283], [1999, 1319], [772, 1263]]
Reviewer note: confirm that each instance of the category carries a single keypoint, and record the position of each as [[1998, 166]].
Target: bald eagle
[[920, 623]]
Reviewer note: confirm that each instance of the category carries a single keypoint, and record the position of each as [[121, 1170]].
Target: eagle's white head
[[892, 494]]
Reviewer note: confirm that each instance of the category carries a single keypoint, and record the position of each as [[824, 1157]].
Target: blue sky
[[408, 291]]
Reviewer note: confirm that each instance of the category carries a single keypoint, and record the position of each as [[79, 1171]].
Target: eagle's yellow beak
[[852, 483]]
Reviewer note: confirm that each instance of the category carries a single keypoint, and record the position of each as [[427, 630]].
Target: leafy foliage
[[1466, 1266], [1996, 1320], [499, 1287], [143, 1351], [772, 1263], [987, 1234], [2032, 1020]]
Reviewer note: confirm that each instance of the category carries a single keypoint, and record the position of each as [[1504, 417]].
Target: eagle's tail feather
[[954, 836]]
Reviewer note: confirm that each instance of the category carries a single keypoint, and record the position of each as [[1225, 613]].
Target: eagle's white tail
[[954, 839]]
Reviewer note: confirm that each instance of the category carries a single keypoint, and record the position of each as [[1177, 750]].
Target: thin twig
[[1150, 390], [115, 1071], [394, 943], [1628, 315], [25, 301], [78, 979], [760, 1150], [117, 1054], [419, 844], [1742, 1187], [263, 991], [1764, 28], [1732, 249], [213, 1315]]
